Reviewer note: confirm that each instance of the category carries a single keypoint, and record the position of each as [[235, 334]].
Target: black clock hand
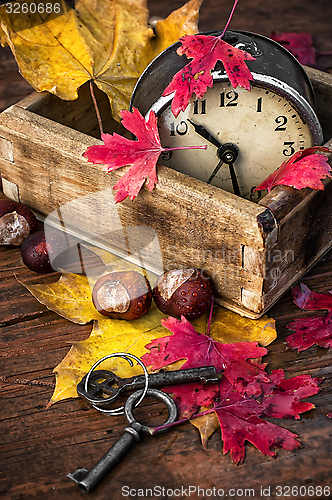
[[214, 173], [201, 130], [227, 154], [236, 188], [235, 183]]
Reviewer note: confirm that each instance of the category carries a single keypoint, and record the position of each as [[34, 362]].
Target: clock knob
[[228, 153]]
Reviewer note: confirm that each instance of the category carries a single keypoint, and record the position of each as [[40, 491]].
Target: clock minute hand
[[202, 131], [227, 153]]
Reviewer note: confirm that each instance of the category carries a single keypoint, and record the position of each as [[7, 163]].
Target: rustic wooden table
[[40, 446]]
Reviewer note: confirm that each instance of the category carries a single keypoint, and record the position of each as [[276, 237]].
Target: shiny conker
[[122, 295], [34, 253], [183, 292], [16, 222]]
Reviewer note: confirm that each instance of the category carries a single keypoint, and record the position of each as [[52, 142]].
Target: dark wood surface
[[40, 446]]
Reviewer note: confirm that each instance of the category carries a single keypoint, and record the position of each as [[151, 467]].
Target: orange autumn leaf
[[107, 41]]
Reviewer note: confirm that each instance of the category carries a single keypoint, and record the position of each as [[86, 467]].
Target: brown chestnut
[[34, 253], [183, 292], [122, 295], [16, 222]]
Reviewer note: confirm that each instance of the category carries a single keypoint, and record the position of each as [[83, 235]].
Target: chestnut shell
[[190, 299], [34, 253], [14, 229], [137, 288]]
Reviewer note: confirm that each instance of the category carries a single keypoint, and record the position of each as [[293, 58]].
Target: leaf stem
[[230, 18], [185, 147], [210, 317], [182, 421], [319, 53], [94, 100]]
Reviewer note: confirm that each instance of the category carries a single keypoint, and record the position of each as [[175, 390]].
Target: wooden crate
[[253, 252]]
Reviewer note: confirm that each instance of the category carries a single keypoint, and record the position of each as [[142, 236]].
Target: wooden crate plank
[[70, 149]]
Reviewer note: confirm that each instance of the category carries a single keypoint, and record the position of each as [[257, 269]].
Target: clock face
[[261, 125]]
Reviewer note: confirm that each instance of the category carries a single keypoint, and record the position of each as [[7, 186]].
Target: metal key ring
[[130, 404], [125, 355]]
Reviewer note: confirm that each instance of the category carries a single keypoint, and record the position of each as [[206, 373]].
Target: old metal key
[[104, 387], [87, 480]]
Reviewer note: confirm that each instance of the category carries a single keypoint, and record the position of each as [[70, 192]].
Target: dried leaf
[[282, 397], [299, 44], [207, 425], [200, 350], [239, 418], [113, 262], [312, 330], [108, 41], [240, 415], [205, 51], [141, 154], [228, 327], [190, 397], [304, 169], [107, 336], [70, 297], [309, 332]]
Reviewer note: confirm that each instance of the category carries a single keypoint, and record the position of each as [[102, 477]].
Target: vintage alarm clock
[[254, 246], [248, 134]]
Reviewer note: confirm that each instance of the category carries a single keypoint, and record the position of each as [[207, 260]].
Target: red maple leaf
[[282, 397], [299, 44], [304, 169], [190, 397], [201, 350], [308, 332], [313, 330], [141, 154], [239, 418], [196, 77], [239, 408], [240, 415]]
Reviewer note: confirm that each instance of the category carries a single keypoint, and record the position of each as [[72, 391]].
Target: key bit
[[86, 479], [105, 387]]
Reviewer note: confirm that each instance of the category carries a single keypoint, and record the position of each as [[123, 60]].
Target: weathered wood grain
[[39, 447], [194, 224], [47, 444]]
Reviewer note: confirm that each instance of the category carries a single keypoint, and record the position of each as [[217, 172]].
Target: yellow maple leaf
[[108, 336], [70, 297], [229, 327], [115, 263], [107, 41]]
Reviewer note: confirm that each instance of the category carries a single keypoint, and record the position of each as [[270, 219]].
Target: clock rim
[[303, 101], [269, 83]]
